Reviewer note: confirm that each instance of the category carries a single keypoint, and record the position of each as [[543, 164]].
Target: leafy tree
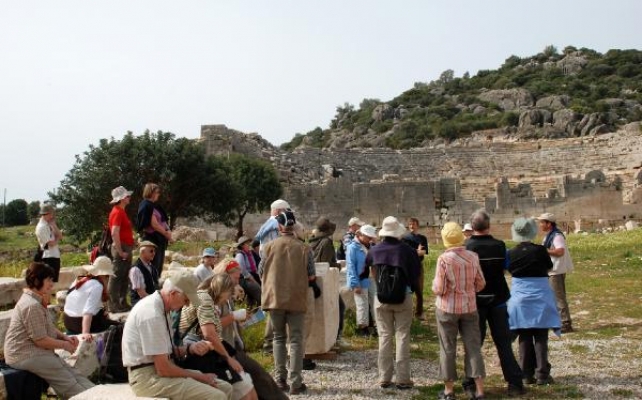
[[15, 213], [33, 209], [256, 186], [192, 186]]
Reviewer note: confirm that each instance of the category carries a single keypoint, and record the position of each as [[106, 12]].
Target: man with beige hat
[[555, 243], [143, 276], [150, 355], [122, 235]]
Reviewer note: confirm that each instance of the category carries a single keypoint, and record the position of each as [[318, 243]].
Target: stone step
[[121, 391]]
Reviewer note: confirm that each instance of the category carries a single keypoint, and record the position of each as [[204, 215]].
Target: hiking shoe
[[515, 390], [283, 385], [299, 390], [469, 389], [530, 380], [546, 381], [446, 396], [308, 364], [405, 386], [567, 329], [385, 385]]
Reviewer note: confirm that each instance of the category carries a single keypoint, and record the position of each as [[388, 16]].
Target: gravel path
[[601, 368]]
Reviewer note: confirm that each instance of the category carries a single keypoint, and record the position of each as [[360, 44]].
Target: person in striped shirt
[[458, 277]]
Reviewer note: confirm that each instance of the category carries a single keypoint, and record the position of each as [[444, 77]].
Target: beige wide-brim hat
[[392, 227], [118, 194], [102, 266]]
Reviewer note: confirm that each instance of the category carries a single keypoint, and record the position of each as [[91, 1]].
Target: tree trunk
[[239, 225]]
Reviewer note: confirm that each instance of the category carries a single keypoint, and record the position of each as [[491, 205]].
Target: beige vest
[[285, 275]]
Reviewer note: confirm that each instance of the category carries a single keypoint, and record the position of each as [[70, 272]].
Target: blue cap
[[209, 252]]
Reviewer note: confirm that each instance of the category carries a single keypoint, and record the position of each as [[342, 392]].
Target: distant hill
[[576, 92]]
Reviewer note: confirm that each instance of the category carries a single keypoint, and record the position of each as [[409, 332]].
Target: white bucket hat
[[368, 230], [102, 266], [118, 194], [392, 227], [355, 221], [280, 204]]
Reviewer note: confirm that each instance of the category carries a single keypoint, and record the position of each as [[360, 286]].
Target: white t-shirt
[[146, 332], [45, 234], [202, 272], [86, 300]]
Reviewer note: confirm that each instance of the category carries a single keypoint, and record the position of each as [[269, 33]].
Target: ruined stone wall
[[586, 177]]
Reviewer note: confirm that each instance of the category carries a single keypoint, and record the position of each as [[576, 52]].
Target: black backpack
[[392, 284]]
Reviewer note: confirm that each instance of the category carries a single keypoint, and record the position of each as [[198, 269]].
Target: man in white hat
[[353, 226], [49, 235], [395, 267], [150, 355], [121, 249], [267, 233], [143, 276], [555, 244]]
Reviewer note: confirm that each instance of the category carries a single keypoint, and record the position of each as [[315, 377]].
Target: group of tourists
[[183, 339]]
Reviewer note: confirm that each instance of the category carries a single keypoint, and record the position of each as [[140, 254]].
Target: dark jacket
[[323, 249], [151, 281], [492, 258], [394, 252]]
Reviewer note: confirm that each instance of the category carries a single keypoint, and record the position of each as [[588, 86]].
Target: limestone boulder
[[508, 99], [566, 120], [631, 225], [554, 102], [383, 112], [535, 117], [573, 63]]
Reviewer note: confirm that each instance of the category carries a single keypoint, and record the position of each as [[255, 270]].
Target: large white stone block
[[324, 312], [121, 391], [11, 290]]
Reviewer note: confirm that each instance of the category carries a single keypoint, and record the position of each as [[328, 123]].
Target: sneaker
[[567, 329], [469, 389], [546, 381], [308, 364], [283, 385], [530, 380], [405, 386], [299, 390], [446, 396], [385, 385], [515, 390], [341, 342], [363, 332]]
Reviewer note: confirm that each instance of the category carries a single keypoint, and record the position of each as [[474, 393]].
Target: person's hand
[[234, 365], [357, 290], [208, 379], [72, 339], [199, 348], [87, 337], [421, 251], [69, 346], [316, 289]]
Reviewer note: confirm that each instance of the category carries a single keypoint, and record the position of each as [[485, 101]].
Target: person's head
[[299, 230], [209, 257], [413, 224], [524, 230], [151, 192], [480, 221], [279, 206], [229, 266], [391, 227], [286, 221], [120, 196], [467, 230], [366, 234], [243, 243], [220, 287], [147, 251], [354, 224], [47, 212], [325, 226], [256, 244], [40, 277], [179, 290], [452, 235], [101, 267], [547, 222]]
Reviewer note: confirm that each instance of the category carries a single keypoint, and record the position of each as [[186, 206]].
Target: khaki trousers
[[393, 321], [558, 284], [146, 383], [467, 325]]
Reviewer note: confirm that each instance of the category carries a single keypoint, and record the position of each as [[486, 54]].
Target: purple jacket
[[394, 252]]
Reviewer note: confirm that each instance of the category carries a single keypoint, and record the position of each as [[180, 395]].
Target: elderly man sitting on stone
[[149, 353]]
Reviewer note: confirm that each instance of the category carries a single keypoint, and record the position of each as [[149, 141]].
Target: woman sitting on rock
[[204, 323], [84, 311], [32, 338]]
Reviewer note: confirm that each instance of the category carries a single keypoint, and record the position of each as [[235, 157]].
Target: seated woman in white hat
[[84, 311]]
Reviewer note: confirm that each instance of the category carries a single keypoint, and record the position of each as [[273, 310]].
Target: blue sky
[[72, 72]]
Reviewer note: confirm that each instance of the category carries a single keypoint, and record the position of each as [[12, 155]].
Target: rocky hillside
[[576, 92]]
